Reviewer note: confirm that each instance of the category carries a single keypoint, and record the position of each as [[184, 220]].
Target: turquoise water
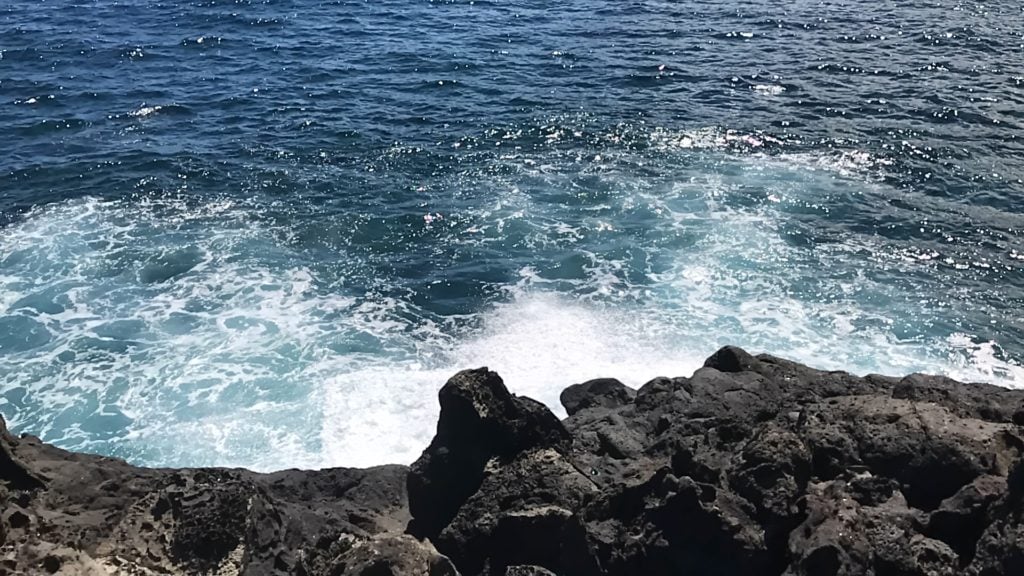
[[265, 233]]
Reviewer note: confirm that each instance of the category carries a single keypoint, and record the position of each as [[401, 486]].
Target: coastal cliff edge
[[754, 465]]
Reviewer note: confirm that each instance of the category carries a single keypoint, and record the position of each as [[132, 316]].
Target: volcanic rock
[[753, 465]]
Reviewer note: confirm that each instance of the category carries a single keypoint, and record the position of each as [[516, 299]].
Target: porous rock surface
[[80, 514], [751, 466]]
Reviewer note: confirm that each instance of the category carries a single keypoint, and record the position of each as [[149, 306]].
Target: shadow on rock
[[753, 465]]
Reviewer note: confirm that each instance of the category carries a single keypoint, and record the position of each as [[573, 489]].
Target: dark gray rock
[[518, 515], [841, 536], [602, 392], [13, 472], [757, 465], [753, 465], [732, 359], [960, 519], [391, 555], [480, 420], [97, 515], [527, 571]]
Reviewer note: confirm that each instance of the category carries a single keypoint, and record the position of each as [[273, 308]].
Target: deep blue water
[[264, 233]]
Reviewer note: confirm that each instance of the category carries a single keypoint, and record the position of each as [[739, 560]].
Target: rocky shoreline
[[753, 465]]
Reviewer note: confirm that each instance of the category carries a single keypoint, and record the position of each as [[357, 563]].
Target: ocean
[[264, 233]]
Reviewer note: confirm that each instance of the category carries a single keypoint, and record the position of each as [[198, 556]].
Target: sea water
[[264, 233]]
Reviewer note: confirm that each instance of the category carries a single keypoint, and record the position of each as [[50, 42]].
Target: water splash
[[179, 332]]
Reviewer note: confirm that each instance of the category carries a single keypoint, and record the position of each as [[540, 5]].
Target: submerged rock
[[753, 465]]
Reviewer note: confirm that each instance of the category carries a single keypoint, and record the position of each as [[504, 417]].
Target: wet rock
[[14, 473], [753, 465], [480, 420], [758, 465], [977, 400], [602, 392], [732, 359], [1000, 549]]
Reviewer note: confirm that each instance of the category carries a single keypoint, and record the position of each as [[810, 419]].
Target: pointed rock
[[13, 471], [480, 420], [732, 359]]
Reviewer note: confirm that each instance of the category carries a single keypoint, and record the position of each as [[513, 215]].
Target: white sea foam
[[143, 111], [768, 89], [735, 285], [539, 344], [197, 358], [194, 334]]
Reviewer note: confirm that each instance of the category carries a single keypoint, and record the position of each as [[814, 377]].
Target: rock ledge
[[754, 465]]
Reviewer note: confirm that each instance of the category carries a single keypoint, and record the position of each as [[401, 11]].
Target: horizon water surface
[[264, 233]]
